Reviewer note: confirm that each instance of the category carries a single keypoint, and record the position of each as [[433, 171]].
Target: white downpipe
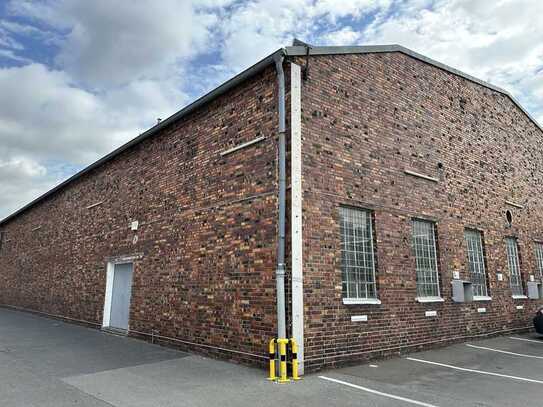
[[296, 211]]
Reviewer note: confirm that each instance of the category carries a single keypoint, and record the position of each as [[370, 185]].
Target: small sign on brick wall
[[481, 310], [359, 318], [431, 313]]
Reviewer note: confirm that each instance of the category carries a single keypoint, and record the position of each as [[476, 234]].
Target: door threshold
[[115, 331]]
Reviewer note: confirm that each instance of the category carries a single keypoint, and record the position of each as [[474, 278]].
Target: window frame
[[514, 267], [347, 297], [538, 254], [480, 262], [435, 297]]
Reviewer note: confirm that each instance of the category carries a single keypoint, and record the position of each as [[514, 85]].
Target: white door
[[121, 290]]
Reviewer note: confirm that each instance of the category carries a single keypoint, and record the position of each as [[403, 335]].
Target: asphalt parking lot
[[45, 362]]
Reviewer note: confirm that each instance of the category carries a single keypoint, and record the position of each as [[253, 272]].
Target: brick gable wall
[[366, 119]]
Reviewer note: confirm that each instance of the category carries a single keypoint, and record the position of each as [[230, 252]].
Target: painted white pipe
[[280, 271]]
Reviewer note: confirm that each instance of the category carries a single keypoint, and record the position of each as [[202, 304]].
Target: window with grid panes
[[539, 258], [424, 249], [476, 262], [357, 256], [514, 267]]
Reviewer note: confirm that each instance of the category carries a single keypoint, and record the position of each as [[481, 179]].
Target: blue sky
[[79, 78]]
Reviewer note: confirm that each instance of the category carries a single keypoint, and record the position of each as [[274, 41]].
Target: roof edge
[[208, 97]]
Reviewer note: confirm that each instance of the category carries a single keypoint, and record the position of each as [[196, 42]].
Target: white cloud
[[23, 29], [48, 117], [11, 55], [7, 40], [343, 36], [20, 168], [255, 29], [112, 43], [24, 179], [335, 9]]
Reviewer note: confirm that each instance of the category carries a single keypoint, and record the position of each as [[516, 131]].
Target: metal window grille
[[357, 256], [476, 262], [539, 258], [424, 248], [514, 268]]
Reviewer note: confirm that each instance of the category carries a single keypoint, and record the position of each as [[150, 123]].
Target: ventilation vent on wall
[[516, 205], [418, 175], [94, 205], [244, 145]]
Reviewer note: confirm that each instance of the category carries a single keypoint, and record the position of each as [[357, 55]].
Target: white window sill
[[520, 297], [354, 301], [429, 299], [482, 298]]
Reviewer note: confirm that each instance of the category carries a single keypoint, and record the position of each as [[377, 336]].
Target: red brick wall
[[367, 118], [206, 274], [207, 270]]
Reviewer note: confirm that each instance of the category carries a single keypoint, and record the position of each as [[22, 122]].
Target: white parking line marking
[[523, 379], [526, 339], [379, 393], [504, 351]]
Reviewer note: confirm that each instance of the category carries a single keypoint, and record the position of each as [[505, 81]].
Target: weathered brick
[[367, 118], [207, 271], [207, 231]]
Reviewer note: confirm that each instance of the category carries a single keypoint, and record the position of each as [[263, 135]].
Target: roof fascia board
[[375, 49], [225, 87]]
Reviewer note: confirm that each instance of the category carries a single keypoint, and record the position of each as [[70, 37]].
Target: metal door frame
[[110, 273]]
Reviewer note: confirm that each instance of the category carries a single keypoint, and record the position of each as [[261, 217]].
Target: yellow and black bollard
[[283, 342], [280, 347], [294, 355], [272, 360]]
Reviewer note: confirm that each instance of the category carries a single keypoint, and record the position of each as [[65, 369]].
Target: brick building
[[412, 215]]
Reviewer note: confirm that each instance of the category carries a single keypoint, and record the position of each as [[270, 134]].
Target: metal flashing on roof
[[295, 50]]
